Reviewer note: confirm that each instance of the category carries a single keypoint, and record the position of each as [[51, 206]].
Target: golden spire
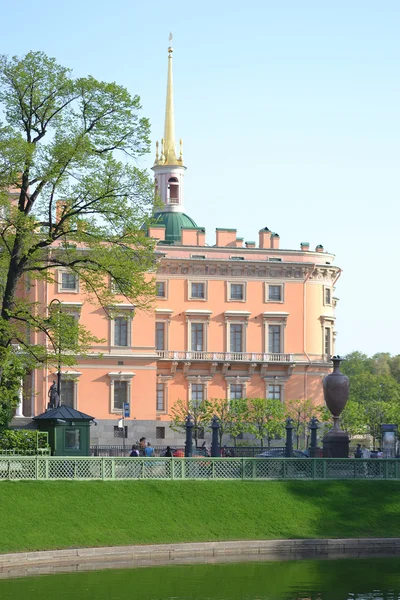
[[169, 130]]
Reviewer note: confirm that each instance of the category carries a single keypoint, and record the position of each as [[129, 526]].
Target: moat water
[[352, 579]]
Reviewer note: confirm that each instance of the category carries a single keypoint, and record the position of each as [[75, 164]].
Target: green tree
[[302, 411], [232, 415], [265, 419], [67, 154], [354, 419], [13, 370], [200, 411]]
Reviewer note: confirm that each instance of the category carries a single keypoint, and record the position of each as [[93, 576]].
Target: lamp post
[[59, 303]]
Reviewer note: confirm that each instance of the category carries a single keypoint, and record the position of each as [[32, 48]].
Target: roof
[[174, 222], [63, 412]]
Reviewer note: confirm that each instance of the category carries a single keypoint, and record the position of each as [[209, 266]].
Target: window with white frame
[[67, 392], [197, 337], [121, 331], [236, 337], [274, 292], [160, 397], [236, 291], [120, 394], [160, 335], [161, 289], [67, 281], [274, 338], [197, 290], [274, 392], [197, 393], [327, 295], [235, 391], [328, 344]]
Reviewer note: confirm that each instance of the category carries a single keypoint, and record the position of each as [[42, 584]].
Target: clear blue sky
[[289, 112]]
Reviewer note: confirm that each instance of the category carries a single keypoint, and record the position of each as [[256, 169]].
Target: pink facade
[[238, 319]]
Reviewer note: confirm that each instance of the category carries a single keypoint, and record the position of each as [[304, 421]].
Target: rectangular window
[[236, 338], [72, 439], [274, 338], [160, 336], [120, 432], [235, 391], [197, 393], [69, 281], [328, 296], [67, 392], [160, 289], [327, 341], [160, 433], [237, 291], [120, 394], [160, 397], [274, 392], [197, 337], [120, 331], [275, 293], [198, 290]]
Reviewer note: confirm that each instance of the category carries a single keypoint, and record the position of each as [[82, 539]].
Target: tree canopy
[[71, 194]]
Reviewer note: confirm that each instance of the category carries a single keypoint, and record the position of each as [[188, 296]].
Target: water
[[359, 579]]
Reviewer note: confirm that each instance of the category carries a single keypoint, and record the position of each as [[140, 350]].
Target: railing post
[[172, 469], [324, 468], [213, 469], [355, 468], [254, 474], [243, 468], [113, 468], [103, 470], [75, 469], [36, 467], [314, 468], [385, 468]]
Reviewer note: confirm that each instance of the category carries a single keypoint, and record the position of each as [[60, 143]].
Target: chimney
[[304, 246], [275, 241], [201, 236], [239, 242], [319, 248], [226, 237], [250, 244], [264, 236]]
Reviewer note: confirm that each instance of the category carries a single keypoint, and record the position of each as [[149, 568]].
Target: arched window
[[173, 190]]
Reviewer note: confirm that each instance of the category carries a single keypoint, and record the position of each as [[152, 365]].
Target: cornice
[[220, 269]]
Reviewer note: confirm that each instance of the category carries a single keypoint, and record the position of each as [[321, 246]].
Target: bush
[[23, 441]]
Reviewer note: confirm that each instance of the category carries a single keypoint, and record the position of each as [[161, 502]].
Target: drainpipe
[[304, 328]]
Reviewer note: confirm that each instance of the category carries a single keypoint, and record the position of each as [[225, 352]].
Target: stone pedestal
[[336, 444]]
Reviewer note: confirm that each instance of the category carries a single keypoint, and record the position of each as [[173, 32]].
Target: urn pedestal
[[336, 393]]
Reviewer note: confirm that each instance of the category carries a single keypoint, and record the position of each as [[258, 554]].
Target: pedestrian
[[149, 450], [134, 451], [142, 446], [168, 452], [380, 453], [365, 452], [358, 453]]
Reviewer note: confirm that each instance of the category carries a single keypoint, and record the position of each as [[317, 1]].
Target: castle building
[[232, 320]]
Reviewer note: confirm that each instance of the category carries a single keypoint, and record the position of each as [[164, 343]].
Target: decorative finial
[[156, 150], [180, 150], [170, 49]]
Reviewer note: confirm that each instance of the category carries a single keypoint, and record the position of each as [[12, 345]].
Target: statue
[[54, 398]]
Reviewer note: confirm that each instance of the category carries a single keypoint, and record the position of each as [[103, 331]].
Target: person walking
[[134, 451], [149, 450], [168, 452], [142, 446]]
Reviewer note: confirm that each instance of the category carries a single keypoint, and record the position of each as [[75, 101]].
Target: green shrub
[[23, 441]]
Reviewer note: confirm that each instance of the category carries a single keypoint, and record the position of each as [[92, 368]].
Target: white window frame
[[231, 380], [164, 389], [269, 284], [165, 282], [279, 319], [278, 381], [165, 323], [325, 289], [193, 316], [205, 336], [202, 281], [243, 323], [276, 385], [198, 380], [120, 377], [126, 312], [229, 291], [63, 290]]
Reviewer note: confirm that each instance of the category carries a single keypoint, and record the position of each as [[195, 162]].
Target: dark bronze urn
[[336, 391]]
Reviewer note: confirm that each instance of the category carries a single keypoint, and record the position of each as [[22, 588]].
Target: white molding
[[164, 311], [237, 313], [198, 311]]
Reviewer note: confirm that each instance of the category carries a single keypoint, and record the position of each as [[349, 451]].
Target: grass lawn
[[49, 515]]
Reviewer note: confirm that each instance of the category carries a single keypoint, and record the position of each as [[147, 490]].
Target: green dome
[[174, 222]]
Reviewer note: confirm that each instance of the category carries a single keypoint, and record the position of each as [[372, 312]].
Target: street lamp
[[59, 303]]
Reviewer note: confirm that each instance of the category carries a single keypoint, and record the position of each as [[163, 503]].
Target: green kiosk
[[68, 429]]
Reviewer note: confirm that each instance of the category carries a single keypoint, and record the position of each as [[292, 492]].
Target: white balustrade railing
[[255, 357]]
